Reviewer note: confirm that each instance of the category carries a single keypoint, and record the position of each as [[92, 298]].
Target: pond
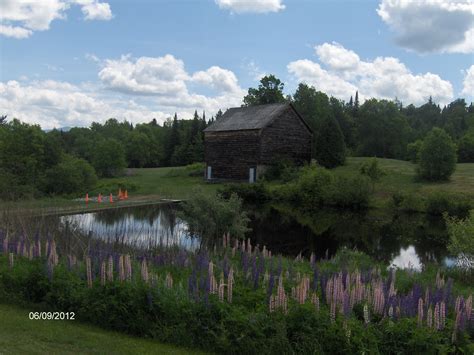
[[401, 240]]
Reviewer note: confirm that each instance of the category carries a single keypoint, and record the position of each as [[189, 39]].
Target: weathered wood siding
[[287, 136], [231, 153]]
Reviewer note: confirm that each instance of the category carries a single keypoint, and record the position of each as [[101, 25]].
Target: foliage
[[319, 187], [439, 203], [71, 175], [211, 216], [461, 233], [270, 91], [466, 148], [195, 170], [437, 156], [250, 193], [109, 158], [280, 169], [413, 150], [373, 171], [330, 146]]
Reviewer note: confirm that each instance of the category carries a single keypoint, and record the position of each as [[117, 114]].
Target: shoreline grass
[[19, 334]]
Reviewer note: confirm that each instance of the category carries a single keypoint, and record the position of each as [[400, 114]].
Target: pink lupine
[[437, 317], [315, 301], [442, 315], [89, 272], [128, 267], [420, 312], [221, 288], [468, 306], [121, 267], [110, 269], [144, 271], [230, 282], [366, 314], [103, 273], [429, 317]]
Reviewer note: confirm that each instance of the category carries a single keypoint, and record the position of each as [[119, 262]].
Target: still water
[[400, 240]]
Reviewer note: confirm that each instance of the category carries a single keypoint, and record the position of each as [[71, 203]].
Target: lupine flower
[[315, 301], [221, 288], [230, 282], [121, 267], [468, 306], [366, 314], [144, 271], [103, 273], [89, 272], [420, 312], [169, 280], [429, 318], [110, 269], [11, 261]]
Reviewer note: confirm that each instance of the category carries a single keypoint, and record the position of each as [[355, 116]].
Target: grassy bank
[[19, 334], [176, 183], [401, 176]]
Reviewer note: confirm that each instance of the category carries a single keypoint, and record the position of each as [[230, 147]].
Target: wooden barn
[[245, 140]]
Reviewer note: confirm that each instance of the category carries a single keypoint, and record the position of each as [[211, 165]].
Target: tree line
[[34, 162]]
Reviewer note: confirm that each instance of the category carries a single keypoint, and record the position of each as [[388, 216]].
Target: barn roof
[[248, 118]]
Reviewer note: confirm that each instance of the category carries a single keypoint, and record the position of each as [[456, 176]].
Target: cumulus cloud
[[251, 6], [21, 18], [166, 79], [431, 25], [468, 82], [136, 89], [384, 77], [59, 104]]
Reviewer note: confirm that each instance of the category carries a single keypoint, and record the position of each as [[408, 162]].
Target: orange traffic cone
[[111, 199], [120, 194], [87, 198], [126, 194], [99, 198]]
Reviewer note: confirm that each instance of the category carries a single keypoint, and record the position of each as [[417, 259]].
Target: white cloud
[[136, 89], [166, 79], [59, 104], [15, 32], [431, 25], [20, 18], [383, 77], [468, 82], [95, 10], [251, 6]]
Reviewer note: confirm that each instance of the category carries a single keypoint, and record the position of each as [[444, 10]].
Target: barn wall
[[231, 153], [287, 137]]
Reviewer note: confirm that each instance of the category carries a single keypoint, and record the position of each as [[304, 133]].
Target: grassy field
[[175, 183], [401, 176], [19, 335]]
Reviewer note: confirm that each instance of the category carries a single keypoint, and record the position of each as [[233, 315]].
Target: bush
[[210, 216], [437, 156], [372, 170], [317, 187], [461, 233], [250, 193], [408, 202], [466, 148], [280, 169], [195, 169], [413, 151], [440, 203], [70, 176]]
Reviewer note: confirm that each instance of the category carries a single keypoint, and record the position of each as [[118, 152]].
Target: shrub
[[437, 156], [195, 169], [70, 176], [440, 203], [413, 150], [317, 187], [210, 216], [466, 148], [250, 193], [372, 170], [408, 202], [461, 234], [280, 169]]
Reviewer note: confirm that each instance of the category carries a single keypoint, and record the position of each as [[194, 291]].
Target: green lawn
[[401, 176], [20, 335], [174, 183]]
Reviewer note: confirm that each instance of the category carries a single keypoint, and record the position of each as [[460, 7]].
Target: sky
[[69, 63]]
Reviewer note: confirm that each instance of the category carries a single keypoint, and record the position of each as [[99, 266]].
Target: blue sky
[[71, 62]]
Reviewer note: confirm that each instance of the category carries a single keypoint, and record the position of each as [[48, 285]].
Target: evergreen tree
[[218, 114], [173, 140], [330, 146]]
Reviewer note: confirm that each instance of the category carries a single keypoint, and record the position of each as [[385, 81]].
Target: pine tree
[[330, 146], [219, 114], [173, 140], [356, 102]]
